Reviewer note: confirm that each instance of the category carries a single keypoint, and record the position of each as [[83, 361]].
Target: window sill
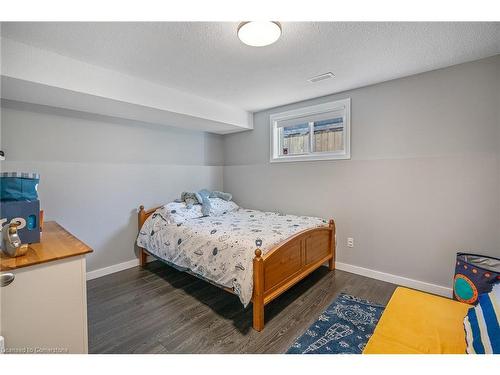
[[292, 159]]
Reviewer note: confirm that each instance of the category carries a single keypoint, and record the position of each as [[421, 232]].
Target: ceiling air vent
[[321, 77]]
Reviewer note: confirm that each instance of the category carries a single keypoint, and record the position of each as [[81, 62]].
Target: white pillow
[[177, 212], [219, 207]]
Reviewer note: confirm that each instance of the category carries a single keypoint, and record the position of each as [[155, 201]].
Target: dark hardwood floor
[[161, 310]]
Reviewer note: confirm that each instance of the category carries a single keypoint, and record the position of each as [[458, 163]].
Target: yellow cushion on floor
[[416, 322]]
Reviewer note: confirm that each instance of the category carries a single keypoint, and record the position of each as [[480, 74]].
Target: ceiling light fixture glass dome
[[259, 33]]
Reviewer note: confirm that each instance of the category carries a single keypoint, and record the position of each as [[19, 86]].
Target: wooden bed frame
[[282, 267]]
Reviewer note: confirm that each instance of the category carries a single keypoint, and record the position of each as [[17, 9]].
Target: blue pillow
[[482, 329]]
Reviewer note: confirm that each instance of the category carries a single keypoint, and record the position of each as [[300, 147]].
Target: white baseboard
[[395, 279], [114, 268], [399, 280]]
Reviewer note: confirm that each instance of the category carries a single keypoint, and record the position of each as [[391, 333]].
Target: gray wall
[[95, 171], [423, 181]]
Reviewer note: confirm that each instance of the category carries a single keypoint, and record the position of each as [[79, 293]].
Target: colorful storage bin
[[474, 275]]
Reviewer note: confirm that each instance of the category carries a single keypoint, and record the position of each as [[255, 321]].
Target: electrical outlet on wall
[[350, 242]]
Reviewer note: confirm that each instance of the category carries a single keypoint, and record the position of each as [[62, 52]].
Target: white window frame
[[343, 104]]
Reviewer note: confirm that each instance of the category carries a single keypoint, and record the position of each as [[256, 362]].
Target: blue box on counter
[[27, 213], [19, 186]]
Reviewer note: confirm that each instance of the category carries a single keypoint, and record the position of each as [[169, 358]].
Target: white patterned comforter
[[221, 249]]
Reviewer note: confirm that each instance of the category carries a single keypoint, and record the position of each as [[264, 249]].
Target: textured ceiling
[[207, 59]]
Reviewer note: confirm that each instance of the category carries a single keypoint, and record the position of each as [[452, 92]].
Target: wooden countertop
[[56, 243]]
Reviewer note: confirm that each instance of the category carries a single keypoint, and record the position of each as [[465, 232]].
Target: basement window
[[319, 132]]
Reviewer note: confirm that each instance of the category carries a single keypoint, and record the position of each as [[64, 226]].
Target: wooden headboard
[[144, 214]]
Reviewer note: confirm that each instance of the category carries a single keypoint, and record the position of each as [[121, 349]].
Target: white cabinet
[[45, 308]]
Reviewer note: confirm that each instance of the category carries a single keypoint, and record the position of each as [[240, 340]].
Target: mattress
[[221, 249]]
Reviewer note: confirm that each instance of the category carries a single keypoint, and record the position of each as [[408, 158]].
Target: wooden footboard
[[282, 267], [287, 264]]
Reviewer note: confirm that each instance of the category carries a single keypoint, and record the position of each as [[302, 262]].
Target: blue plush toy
[[201, 197], [221, 195], [189, 198]]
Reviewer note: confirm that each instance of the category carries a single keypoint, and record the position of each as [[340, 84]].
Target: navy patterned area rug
[[344, 328]]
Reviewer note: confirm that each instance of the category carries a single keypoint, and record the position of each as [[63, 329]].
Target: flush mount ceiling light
[[259, 33]]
